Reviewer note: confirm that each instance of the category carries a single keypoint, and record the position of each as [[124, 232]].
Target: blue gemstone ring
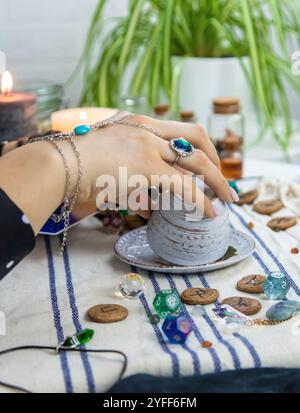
[[182, 148]]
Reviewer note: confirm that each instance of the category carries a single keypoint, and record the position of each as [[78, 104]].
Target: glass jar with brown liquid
[[231, 157], [226, 130]]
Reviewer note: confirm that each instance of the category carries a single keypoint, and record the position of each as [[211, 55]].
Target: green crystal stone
[[79, 339], [123, 212], [166, 302]]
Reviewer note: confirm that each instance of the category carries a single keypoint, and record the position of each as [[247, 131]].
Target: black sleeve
[[16, 235], [1, 147]]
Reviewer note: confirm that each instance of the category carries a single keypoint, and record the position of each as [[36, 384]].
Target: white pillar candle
[[66, 120]]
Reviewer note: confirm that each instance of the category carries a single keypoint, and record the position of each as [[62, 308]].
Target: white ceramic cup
[[186, 238]]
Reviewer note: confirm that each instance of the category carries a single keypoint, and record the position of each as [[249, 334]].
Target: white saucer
[[133, 248]]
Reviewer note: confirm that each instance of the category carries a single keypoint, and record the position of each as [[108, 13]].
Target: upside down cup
[[182, 237]]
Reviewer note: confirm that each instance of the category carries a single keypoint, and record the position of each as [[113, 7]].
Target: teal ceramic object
[[283, 310]]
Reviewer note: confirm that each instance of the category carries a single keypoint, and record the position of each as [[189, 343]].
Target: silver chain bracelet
[[69, 199]]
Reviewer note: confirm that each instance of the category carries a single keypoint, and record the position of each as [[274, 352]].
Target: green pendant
[[79, 339]]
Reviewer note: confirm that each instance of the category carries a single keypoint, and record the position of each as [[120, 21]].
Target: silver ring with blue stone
[[182, 148]]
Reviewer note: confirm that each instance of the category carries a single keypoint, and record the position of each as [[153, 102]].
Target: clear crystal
[[231, 317], [198, 311], [130, 286]]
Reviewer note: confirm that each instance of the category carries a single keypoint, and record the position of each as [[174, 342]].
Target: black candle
[[17, 111]]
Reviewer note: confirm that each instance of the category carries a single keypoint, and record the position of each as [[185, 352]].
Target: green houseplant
[[156, 30]]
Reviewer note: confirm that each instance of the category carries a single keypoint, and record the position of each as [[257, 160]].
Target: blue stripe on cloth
[[250, 347], [267, 249], [76, 322], [212, 351], [159, 336], [218, 335], [193, 354], [261, 263], [244, 340], [56, 317]]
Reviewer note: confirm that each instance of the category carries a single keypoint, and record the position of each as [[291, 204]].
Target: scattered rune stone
[[107, 313], [247, 197], [282, 223], [251, 283], [194, 296], [267, 207], [245, 305]]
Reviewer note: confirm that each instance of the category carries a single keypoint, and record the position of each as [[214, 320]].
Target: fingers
[[200, 164], [185, 188], [195, 134]]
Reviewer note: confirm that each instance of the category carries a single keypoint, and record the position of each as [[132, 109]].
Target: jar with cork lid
[[226, 130]]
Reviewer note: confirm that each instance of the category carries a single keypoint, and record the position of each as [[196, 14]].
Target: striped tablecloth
[[46, 298]]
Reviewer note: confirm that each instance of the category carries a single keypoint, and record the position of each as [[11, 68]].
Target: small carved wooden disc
[[107, 313], [251, 283], [245, 305], [194, 296]]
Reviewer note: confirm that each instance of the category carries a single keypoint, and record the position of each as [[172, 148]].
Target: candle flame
[[83, 115], [6, 83]]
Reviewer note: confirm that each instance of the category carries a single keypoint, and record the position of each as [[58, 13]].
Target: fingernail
[[234, 194]]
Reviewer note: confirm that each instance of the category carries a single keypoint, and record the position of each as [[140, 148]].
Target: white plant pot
[[203, 79]]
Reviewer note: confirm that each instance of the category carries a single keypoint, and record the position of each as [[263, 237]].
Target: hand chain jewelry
[[69, 200]]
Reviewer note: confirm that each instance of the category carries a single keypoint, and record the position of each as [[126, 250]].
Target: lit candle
[[66, 120], [17, 111]]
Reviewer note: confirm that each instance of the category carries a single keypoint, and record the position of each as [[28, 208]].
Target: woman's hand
[[34, 175], [142, 152]]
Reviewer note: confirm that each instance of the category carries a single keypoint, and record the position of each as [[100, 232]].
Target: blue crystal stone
[[276, 286], [183, 145], [82, 129], [177, 328], [283, 310]]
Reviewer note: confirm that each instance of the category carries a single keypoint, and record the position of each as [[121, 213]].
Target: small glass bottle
[[50, 98], [225, 121], [134, 104], [231, 157], [161, 111], [188, 116]]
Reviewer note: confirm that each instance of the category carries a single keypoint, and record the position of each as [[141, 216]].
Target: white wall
[[43, 39]]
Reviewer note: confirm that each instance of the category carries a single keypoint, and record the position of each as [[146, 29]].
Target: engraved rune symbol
[[108, 309], [200, 293], [242, 303], [254, 281]]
